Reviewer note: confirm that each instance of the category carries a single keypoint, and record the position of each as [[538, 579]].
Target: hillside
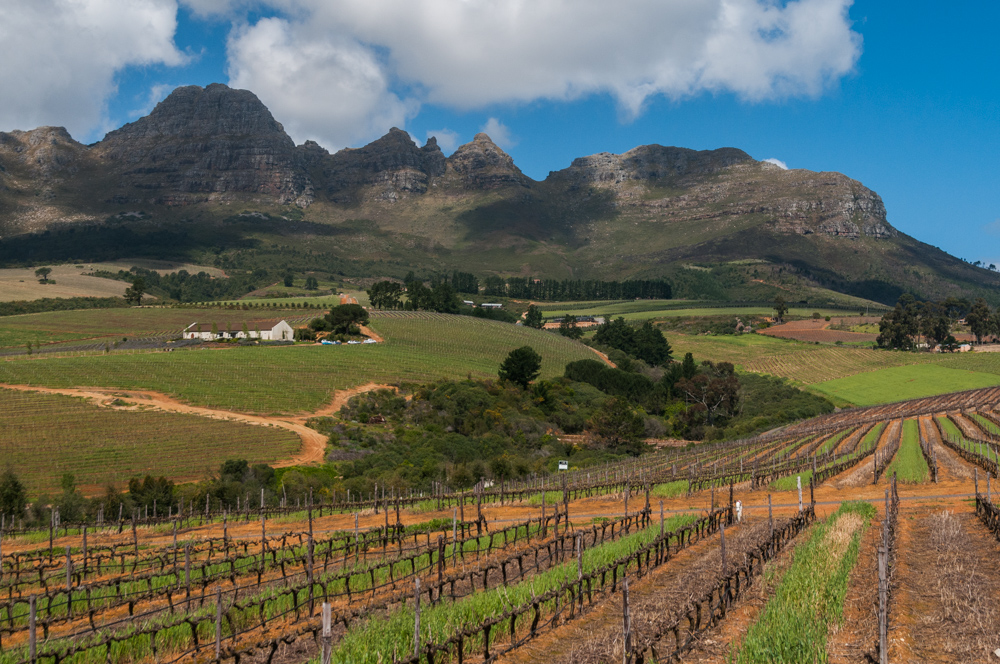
[[210, 174]]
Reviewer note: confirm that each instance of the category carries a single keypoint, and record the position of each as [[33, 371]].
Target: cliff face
[[199, 144], [202, 151]]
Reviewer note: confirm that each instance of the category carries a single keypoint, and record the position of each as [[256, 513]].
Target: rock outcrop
[[482, 165], [212, 143]]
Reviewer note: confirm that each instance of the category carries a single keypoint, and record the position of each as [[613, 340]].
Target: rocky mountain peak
[[44, 152], [481, 164], [386, 169], [212, 143], [649, 163]]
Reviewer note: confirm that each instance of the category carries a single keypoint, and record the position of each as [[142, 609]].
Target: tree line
[[911, 320], [575, 289]]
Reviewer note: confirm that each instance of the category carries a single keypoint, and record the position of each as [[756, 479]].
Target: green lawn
[[302, 378], [101, 445], [905, 382], [646, 309]]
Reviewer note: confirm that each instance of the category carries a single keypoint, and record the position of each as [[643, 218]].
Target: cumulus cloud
[[321, 86], [446, 138], [499, 132], [383, 58], [777, 162], [60, 57]]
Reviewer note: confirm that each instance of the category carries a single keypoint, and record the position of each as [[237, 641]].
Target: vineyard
[[419, 347], [813, 542]]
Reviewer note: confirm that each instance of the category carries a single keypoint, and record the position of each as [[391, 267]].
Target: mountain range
[[210, 171]]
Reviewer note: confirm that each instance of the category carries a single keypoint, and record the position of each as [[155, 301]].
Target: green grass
[[302, 378], [102, 446], [909, 463], [380, 639], [645, 309], [789, 482], [669, 489], [906, 382], [54, 326], [984, 424], [833, 441], [793, 627]]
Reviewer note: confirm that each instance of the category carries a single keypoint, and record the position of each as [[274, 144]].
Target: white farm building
[[282, 331]]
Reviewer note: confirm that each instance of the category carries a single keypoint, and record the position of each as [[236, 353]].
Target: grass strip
[[380, 639], [909, 463], [793, 626]]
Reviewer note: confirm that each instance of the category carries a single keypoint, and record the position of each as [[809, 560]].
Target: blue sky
[[904, 97]]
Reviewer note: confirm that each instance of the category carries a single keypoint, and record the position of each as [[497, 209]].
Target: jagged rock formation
[[204, 143], [203, 151]]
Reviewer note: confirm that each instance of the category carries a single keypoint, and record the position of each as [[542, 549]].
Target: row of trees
[[575, 289], [910, 319]]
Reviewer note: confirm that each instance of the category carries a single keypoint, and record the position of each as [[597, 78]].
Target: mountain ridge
[[204, 153]]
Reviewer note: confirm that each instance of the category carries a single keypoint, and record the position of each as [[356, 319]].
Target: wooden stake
[[32, 637], [798, 482], [626, 624], [69, 571], [218, 623], [722, 534], [327, 634], [579, 556], [416, 619]]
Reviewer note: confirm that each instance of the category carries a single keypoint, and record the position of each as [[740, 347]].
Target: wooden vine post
[[722, 535], [798, 482], [626, 625], [416, 618], [327, 637], [32, 636], [218, 623]]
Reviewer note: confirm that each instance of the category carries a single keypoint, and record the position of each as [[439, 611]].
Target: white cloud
[[320, 86], [499, 132], [446, 138], [60, 57], [777, 162], [157, 93], [359, 56]]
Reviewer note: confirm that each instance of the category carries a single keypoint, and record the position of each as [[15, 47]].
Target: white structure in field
[[282, 331]]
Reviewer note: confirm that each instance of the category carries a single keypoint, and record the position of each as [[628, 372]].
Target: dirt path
[[313, 442], [854, 640]]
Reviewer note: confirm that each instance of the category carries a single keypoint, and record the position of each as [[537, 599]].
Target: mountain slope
[[175, 183]]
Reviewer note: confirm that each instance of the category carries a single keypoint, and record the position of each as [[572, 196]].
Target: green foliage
[[768, 401], [569, 328], [646, 343], [458, 432], [521, 366], [552, 290], [134, 293], [342, 319], [13, 495], [634, 387], [19, 307], [386, 295], [43, 274], [793, 627], [533, 317], [312, 283], [780, 308], [618, 426]]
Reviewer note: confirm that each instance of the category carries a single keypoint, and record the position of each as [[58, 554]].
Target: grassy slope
[[905, 382], [302, 378], [100, 445]]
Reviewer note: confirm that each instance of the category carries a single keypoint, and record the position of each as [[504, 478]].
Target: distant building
[[281, 331], [468, 303], [491, 305]]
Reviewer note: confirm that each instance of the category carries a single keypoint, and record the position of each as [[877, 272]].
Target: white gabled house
[[281, 331]]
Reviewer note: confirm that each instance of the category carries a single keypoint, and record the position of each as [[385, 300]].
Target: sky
[[902, 96]]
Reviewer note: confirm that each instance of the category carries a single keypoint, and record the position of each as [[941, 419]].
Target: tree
[[289, 280], [898, 327], [616, 334], [533, 317], [688, 367], [134, 293], [715, 390], [980, 320], [385, 295], [780, 308], [521, 366], [617, 425], [651, 346], [568, 327], [345, 318], [13, 496], [43, 274], [312, 283]]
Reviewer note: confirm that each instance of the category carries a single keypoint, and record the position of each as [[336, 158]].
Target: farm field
[[903, 382], [653, 309], [102, 446], [525, 584], [419, 347], [816, 330], [70, 281], [56, 326]]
